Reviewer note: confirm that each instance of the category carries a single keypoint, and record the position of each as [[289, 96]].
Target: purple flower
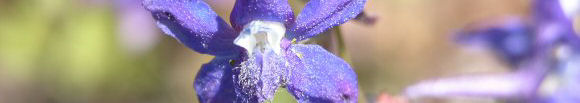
[[256, 54], [510, 39], [528, 47]]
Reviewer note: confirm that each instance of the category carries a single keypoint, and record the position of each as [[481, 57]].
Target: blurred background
[[109, 51]]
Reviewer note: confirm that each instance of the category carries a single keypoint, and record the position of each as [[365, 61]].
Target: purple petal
[[258, 78], [562, 99], [507, 85], [511, 39], [571, 95], [214, 83], [569, 66], [553, 25], [548, 10], [246, 11], [320, 15], [521, 84], [194, 24], [566, 94], [320, 76]]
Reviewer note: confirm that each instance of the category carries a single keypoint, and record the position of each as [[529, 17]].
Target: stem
[[342, 52]]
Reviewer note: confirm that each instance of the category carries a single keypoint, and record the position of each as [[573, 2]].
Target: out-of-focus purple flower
[[529, 47], [511, 39], [257, 54]]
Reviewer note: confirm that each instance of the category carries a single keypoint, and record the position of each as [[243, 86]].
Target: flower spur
[[256, 54]]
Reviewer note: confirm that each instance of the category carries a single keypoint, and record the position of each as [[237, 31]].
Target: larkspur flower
[[527, 46], [509, 38], [257, 54]]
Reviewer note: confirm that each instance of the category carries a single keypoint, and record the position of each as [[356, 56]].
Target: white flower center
[[261, 36]]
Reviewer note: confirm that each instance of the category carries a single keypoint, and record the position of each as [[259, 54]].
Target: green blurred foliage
[[66, 51]]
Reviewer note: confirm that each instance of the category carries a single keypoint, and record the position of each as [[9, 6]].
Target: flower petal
[[508, 85], [553, 25], [568, 92], [548, 10], [563, 98], [214, 83], [320, 76], [511, 39], [258, 78], [521, 84], [194, 24], [320, 15], [246, 11]]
